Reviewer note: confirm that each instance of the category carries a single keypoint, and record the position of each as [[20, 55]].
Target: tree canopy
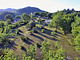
[[25, 17], [9, 16]]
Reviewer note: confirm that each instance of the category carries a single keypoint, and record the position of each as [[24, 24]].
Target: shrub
[[10, 26], [30, 33], [24, 38], [1, 30], [38, 45], [41, 26], [34, 28], [20, 21], [31, 24], [27, 26], [39, 21], [1, 24], [4, 40], [53, 33], [28, 29], [17, 24], [22, 47], [17, 31], [21, 24], [8, 21], [50, 26], [44, 23], [35, 31], [13, 26], [42, 30], [25, 22], [11, 41], [2, 52]]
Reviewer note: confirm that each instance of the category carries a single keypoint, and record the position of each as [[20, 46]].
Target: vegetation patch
[[43, 31], [31, 33], [28, 29], [22, 47], [24, 38]]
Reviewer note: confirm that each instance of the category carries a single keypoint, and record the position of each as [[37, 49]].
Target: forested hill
[[28, 10]]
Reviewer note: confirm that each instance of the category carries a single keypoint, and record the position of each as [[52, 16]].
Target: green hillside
[[32, 38]]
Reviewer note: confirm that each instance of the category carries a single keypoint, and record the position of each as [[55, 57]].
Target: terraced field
[[71, 52]]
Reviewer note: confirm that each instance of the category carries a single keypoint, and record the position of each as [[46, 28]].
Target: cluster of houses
[[16, 19], [45, 18], [48, 21]]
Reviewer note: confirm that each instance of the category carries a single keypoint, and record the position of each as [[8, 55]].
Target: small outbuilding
[[48, 21], [16, 19]]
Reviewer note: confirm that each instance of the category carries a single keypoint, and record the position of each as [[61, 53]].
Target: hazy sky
[[47, 5]]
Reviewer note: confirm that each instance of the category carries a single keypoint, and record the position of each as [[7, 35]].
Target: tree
[[7, 33], [76, 32], [9, 16], [25, 17], [76, 26], [8, 22], [77, 42], [8, 55], [60, 19], [31, 24], [53, 33], [30, 55], [1, 24], [17, 16], [42, 14], [48, 54], [55, 20], [49, 15], [36, 13], [32, 16], [76, 23]]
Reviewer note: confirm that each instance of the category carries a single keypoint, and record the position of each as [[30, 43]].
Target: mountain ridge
[[20, 11], [29, 9]]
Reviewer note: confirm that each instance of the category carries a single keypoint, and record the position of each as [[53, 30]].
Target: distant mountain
[[29, 9], [14, 12], [8, 9]]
